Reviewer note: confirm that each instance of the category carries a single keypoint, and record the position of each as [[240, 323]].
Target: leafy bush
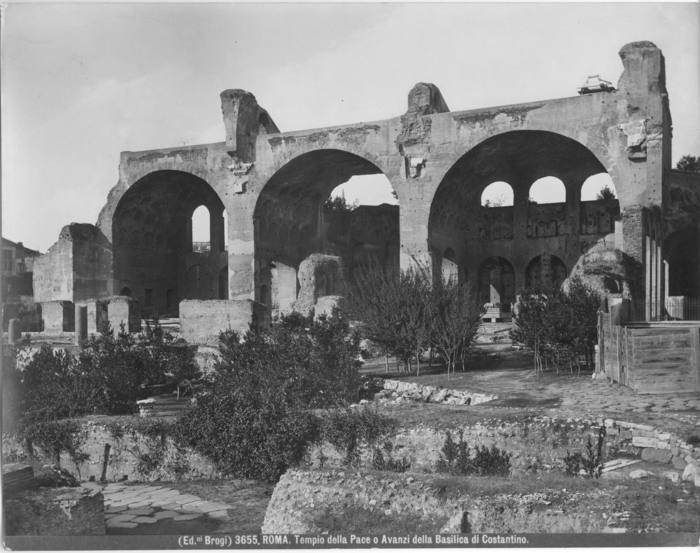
[[408, 311], [455, 458], [382, 459], [253, 415], [29, 315], [246, 435], [352, 431], [57, 437], [559, 326], [108, 375], [591, 462]]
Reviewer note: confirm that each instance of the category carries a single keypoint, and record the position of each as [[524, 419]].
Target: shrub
[[557, 325], [108, 376], [407, 311], [252, 417], [591, 462], [168, 359], [247, 436], [382, 459], [455, 458], [29, 315], [57, 437], [352, 431]]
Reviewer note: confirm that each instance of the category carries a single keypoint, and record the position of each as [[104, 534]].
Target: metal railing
[[676, 309]]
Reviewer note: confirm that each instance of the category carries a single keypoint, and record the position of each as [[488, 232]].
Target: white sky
[[83, 82]]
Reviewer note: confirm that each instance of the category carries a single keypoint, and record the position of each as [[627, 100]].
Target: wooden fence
[[656, 357]]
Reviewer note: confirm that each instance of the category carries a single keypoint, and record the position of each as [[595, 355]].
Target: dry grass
[[356, 520]]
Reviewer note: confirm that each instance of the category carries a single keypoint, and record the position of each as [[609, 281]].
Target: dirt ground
[[501, 370]]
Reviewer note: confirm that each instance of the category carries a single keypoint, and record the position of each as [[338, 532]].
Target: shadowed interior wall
[[152, 232]]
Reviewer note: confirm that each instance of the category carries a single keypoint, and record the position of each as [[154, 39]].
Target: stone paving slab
[[185, 499], [145, 520], [189, 517], [139, 511], [129, 506], [208, 507], [165, 514], [162, 494], [122, 524], [122, 518]]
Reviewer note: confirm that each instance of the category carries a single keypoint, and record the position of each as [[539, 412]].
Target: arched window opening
[[548, 190], [225, 237], [361, 190], [497, 194], [201, 230], [547, 208], [599, 205], [598, 187], [126, 291]]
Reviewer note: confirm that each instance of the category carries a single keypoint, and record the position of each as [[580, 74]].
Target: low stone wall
[[434, 394], [302, 495], [132, 456], [201, 321], [540, 444]]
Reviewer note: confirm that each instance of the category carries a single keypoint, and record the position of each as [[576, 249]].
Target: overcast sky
[[83, 82]]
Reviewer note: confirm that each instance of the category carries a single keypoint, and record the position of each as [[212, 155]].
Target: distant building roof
[[595, 84], [19, 245]]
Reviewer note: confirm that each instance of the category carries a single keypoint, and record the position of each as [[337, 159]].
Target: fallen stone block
[[678, 463], [639, 473], [671, 475], [690, 472], [17, 477], [640, 441], [656, 455]]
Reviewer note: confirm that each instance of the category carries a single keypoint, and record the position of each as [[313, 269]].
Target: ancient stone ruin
[[281, 250]]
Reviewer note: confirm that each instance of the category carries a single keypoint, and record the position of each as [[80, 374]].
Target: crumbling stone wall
[[319, 275], [272, 186], [301, 495], [365, 235], [201, 321]]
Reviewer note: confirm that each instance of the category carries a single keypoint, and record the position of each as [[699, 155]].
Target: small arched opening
[[201, 230], [126, 291], [600, 208], [546, 208], [497, 194]]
